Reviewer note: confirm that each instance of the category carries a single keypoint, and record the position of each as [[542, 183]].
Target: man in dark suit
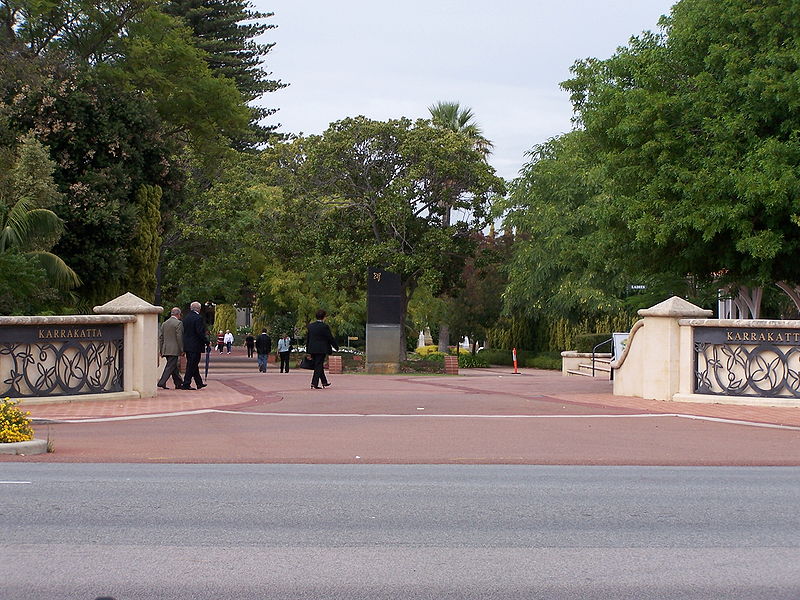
[[170, 346], [319, 343], [195, 340], [263, 348]]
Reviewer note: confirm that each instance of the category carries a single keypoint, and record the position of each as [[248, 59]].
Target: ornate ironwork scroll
[[63, 360], [747, 362]]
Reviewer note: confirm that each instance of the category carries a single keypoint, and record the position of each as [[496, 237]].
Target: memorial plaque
[[384, 297]]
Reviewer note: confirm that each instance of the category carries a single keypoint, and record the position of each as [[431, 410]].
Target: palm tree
[[450, 115], [23, 228]]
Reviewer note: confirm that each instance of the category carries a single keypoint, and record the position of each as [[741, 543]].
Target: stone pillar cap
[[128, 304], [675, 307]]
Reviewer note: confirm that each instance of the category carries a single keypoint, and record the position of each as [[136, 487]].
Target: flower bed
[[15, 425]]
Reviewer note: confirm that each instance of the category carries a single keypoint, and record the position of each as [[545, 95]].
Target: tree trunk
[[748, 302], [791, 290]]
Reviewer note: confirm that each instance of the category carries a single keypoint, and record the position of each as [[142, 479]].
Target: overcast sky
[[386, 59]]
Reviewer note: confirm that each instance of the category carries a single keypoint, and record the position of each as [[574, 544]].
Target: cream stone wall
[[572, 360], [650, 367], [140, 347], [659, 361], [141, 342]]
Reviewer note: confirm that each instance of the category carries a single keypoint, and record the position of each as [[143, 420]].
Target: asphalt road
[[132, 531]]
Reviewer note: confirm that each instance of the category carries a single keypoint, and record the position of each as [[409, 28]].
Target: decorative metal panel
[[60, 360], [747, 362]]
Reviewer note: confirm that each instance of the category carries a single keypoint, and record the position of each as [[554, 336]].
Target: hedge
[[587, 341]]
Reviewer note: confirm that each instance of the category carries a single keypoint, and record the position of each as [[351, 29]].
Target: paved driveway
[[481, 416]]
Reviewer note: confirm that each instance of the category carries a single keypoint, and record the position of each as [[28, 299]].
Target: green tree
[[451, 116], [133, 46], [227, 30], [145, 243], [121, 96], [562, 265], [477, 305], [694, 131], [25, 288], [224, 319], [374, 192], [159, 57], [26, 225], [99, 169], [217, 237]]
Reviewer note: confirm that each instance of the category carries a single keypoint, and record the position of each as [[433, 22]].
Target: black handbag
[[306, 363]]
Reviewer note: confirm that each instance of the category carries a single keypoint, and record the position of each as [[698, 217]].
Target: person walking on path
[[284, 348], [319, 343], [220, 341], [250, 343], [170, 346], [195, 340], [263, 348], [228, 340]]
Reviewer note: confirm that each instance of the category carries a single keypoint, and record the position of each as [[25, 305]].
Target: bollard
[[335, 365], [514, 356]]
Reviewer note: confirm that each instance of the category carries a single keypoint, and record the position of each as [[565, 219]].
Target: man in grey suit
[[170, 346]]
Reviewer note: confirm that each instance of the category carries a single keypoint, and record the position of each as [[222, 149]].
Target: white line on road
[[14, 482], [429, 416]]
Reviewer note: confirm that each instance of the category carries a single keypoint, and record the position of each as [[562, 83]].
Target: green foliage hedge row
[[544, 360], [554, 335], [587, 341], [534, 360], [470, 361]]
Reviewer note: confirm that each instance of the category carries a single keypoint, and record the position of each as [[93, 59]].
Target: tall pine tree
[[226, 30]]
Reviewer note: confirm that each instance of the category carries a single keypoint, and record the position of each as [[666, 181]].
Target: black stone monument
[[384, 328]]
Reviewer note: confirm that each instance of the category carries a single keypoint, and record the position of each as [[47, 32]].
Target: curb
[[24, 448]]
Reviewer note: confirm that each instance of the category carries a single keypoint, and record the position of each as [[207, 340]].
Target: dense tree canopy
[[695, 134], [126, 99], [373, 193], [226, 31]]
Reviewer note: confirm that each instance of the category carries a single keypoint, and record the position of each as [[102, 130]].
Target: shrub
[[544, 360], [15, 425], [469, 361], [437, 357], [525, 358], [423, 351], [587, 341], [497, 356], [421, 366]]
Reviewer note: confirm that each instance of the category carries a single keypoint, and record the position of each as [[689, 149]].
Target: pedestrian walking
[[319, 343], [170, 346], [228, 339], [263, 348], [220, 341], [195, 340], [250, 344], [284, 348]]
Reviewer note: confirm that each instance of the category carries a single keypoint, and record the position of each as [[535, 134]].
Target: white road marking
[[14, 482], [428, 416]]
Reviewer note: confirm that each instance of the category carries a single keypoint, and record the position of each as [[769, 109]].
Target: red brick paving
[[478, 391], [274, 417]]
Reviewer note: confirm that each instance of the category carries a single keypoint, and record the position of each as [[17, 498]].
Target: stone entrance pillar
[[141, 342]]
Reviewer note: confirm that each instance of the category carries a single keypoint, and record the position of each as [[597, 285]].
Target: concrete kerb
[[24, 448]]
